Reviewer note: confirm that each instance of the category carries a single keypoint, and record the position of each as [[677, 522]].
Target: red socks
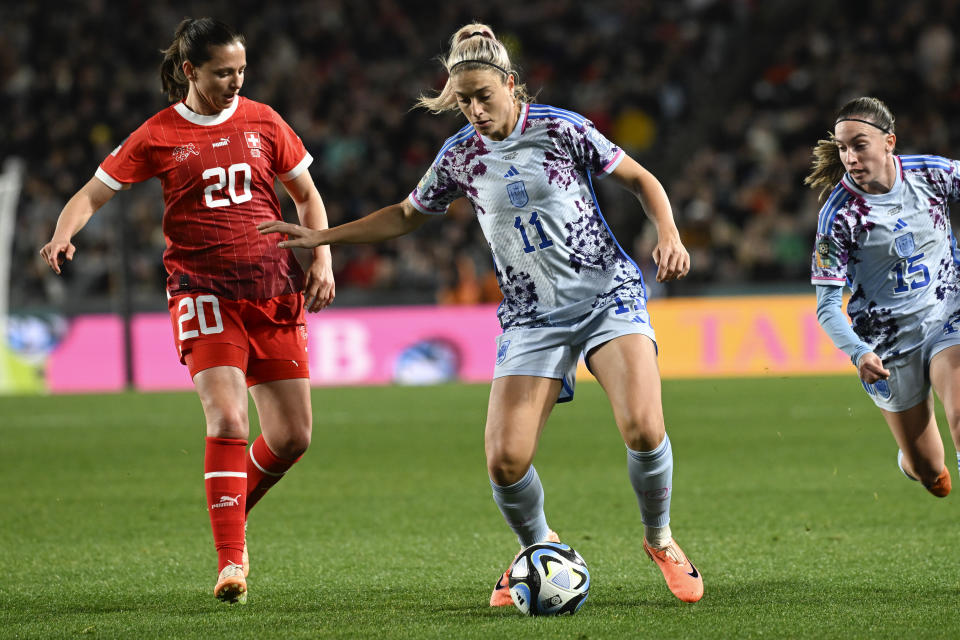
[[235, 481], [264, 469], [225, 477]]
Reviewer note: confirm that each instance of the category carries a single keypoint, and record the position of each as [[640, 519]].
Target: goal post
[[11, 181]]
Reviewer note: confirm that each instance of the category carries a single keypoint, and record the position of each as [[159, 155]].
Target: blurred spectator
[[722, 99]]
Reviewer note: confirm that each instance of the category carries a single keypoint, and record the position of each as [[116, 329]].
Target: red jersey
[[217, 174]]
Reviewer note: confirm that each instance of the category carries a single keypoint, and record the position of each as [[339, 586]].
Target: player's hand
[[871, 368], [55, 252], [671, 258], [297, 236], [320, 289]]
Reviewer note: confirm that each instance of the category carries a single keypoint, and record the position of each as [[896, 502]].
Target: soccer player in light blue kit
[[568, 286], [884, 230]]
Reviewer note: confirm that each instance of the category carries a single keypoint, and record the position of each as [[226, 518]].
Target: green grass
[[786, 495]]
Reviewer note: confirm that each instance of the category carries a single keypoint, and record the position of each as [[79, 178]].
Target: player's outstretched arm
[[74, 216], [389, 222], [670, 255]]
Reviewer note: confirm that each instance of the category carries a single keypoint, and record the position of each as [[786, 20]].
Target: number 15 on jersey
[[911, 274]]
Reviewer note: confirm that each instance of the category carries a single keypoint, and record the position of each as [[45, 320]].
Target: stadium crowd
[[721, 99]]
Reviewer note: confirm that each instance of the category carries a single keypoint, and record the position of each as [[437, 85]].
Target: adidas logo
[[513, 172], [900, 225]]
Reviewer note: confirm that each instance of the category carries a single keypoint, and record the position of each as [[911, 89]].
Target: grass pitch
[[786, 496]]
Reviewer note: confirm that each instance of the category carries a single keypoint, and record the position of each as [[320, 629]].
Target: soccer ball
[[549, 579]]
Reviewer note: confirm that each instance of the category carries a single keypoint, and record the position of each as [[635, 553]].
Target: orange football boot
[[941, 486], [231, 585], [682, 577], [501, 591]]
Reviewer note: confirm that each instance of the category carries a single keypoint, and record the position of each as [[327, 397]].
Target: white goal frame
[[11, 180]]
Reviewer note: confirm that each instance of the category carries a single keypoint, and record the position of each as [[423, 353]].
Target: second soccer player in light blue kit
[[884, 230], [568, 286]]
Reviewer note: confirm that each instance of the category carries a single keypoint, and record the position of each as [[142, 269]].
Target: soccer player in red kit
[[236, 301]]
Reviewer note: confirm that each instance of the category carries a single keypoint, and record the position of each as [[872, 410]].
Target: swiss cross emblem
[[253, 139]]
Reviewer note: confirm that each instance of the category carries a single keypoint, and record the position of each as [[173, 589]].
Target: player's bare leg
[[945, 378], [626, 368], [223, 395], [516, 414], [286, 425], [916, 433], [286, 419]]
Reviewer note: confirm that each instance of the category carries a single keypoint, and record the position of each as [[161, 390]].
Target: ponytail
[[192, 41], [827, 168]]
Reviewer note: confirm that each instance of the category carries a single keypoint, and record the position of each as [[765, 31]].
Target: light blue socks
[[651, 474], [521, 504]]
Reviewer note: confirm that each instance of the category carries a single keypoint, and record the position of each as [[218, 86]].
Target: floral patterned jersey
[[554, 255]]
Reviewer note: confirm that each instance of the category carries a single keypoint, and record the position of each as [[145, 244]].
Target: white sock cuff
[[645, 456], [657, 537], [517, 486]]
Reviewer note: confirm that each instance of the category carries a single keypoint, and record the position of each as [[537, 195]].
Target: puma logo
[[227, 501]]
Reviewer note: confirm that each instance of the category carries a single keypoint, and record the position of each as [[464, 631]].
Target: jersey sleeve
[[952, 180], [291, 157], [129, 163], [831, 318], [830, 256], [435, 191], [593, 151]]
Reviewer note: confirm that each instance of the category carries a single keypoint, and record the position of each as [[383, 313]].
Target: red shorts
[[266, 339]]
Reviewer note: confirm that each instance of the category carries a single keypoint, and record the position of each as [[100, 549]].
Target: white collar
[[206, 121]]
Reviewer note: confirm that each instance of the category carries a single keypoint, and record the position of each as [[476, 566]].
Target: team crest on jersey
[[502, 351], [905, 245], [518, 194], [253, 142], [182, 153]]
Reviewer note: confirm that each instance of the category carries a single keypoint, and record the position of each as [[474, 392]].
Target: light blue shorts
[[909, 381], [554, 351]]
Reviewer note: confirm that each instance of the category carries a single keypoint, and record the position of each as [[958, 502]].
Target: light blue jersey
[[896, 252], [554, 255]]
